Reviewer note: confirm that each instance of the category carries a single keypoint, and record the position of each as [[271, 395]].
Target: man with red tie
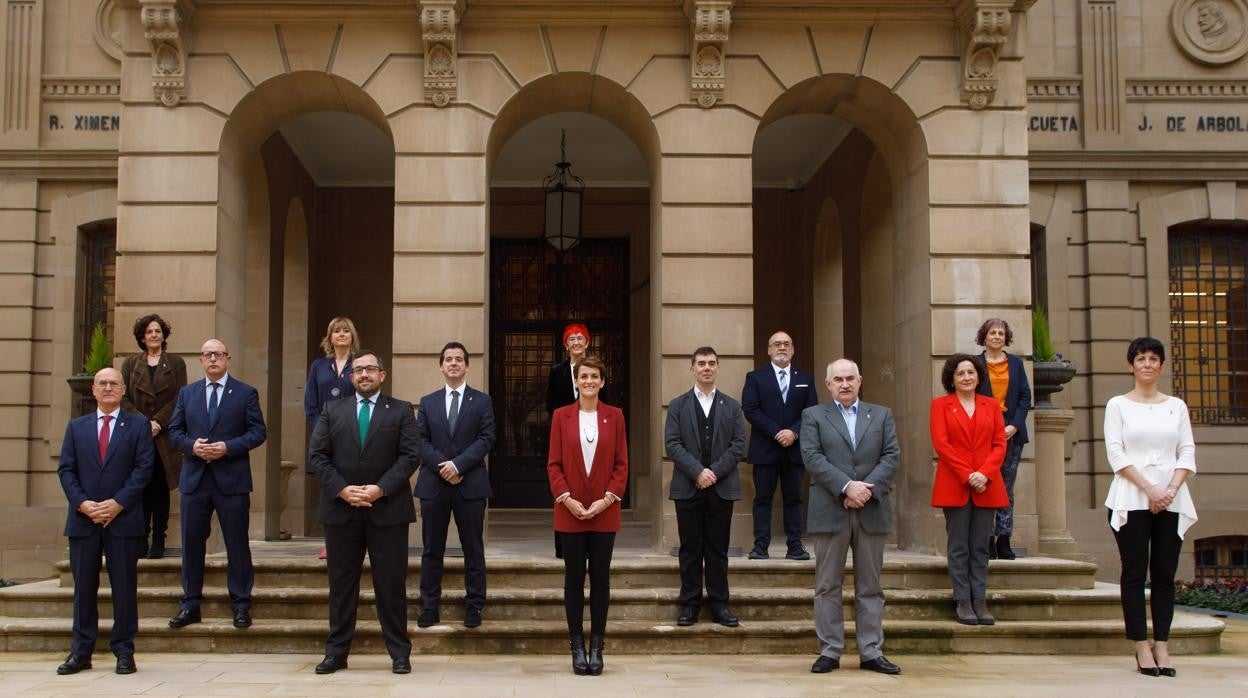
[[106, 461]]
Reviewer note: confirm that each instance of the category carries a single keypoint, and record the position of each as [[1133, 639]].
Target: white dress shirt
[[112, 424], [220, 391], [706, 400]]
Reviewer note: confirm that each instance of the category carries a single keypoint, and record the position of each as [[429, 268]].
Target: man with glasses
[[456, 425], [106, 461], [773, 399], [215, 425], [364, 451]]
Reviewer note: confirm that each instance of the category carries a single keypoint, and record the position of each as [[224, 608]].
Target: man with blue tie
[[456, 425], [106, 461], [215, 425], [773, 399], [364, 450]]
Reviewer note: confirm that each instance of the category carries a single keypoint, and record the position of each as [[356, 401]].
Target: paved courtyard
[[721, 676]]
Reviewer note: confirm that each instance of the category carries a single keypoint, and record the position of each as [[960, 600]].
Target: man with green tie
[[364, 451]]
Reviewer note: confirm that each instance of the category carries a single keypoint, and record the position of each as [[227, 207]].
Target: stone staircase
[[1043, 606]]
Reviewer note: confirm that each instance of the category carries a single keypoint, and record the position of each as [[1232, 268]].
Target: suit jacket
[[833, 463], [466, 448], [559, 389], [565, 467], [153, 396], [239, 423], [126, 469], [1017, 395], [684, 445], [768, 413], [387, 458], [964, 445]]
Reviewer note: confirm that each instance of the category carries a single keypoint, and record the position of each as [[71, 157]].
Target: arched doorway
[[304, 233]]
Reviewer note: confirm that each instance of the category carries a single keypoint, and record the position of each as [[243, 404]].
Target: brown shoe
[[980, 607], [964, 614]]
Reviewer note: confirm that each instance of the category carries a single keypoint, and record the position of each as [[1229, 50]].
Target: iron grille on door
[[534, 293]]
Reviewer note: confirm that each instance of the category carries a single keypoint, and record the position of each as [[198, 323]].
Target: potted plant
[[99, 356], [1049, 370]]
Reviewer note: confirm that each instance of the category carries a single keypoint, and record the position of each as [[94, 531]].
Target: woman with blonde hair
[[329, 378]]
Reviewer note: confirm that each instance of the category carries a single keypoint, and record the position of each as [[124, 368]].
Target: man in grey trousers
[[850, 449]]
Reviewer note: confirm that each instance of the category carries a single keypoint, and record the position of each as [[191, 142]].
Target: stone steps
[[50, 600], [1191, 634]]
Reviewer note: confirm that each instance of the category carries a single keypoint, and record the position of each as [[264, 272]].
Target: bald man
[[215, 425], [106, 461]]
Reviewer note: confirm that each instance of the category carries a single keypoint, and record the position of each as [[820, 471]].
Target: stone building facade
[[962, 159]]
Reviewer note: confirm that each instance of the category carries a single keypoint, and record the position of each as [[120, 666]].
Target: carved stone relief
[[104, 31], [1213, 32], [986, 25], [439, 20], [165, 28], [708, 74]]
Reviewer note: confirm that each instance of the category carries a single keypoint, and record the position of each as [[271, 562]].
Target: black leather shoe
[[724, 617], [401, 665], [881, 665], [758, 554], [798, 553], [242, 618], [688, 615], [428, 618], [330, 664], [125, 664], [184, 618], [824, 664], [74, 663], [472, 618], [157, 549]]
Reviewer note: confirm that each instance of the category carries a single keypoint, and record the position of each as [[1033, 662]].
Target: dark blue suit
[[467, 448], [126, 470], [223, 485], [768, 413]]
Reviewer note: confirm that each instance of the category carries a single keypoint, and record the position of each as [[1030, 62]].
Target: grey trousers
[[969, 528], [830, 549]]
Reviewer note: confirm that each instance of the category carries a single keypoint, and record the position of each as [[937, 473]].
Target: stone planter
[[1048, 377], [84, 401]]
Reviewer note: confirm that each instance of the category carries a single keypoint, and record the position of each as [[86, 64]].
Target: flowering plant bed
[[1226, 595]]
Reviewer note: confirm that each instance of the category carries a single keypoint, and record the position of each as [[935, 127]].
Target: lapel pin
[[121, 424]]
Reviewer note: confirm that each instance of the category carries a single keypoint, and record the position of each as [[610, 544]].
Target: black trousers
[[156, 501], [588, 550], [387, 552], [435, 517], [789, 476], [122, 556], [1148, 545], [704, 522], [233, 514]]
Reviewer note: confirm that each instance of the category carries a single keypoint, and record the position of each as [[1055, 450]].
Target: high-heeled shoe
[[1167, 671], [1146, 670]]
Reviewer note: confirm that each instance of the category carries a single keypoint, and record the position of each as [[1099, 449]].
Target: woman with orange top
[[1007, 382]]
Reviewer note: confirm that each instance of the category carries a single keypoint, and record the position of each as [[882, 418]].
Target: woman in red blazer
[[588, 471], [968, 435]]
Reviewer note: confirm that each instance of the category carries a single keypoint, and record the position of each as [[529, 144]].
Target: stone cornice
[[66, 164], [1187, 90], [58, 88], [1137, 166]]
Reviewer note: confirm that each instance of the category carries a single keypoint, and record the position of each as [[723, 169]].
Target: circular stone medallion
[[1213, 32]]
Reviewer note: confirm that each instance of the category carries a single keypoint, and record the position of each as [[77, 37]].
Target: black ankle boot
[[156, 550], [576, 643], [1004, 551], [992, 547], [595, 655]]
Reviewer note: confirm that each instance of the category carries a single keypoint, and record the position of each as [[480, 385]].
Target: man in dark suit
[[364, 451], [215, 425], [850, 449], [705, 437], [456, 425], [773, 399], [106, 461]]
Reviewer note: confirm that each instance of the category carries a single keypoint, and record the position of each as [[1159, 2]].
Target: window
[[97, 287], [1209, 320], [1222, 558]]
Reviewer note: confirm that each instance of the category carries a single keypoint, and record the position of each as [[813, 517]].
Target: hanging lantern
[[564, 192]]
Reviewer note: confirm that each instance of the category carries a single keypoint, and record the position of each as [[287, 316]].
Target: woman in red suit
[[968, 435], [588, 470]]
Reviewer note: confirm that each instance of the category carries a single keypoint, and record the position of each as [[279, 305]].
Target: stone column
[[1055, 538]]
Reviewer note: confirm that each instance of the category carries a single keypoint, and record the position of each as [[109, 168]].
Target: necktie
[[453, 415], [104, 437], [364, 414], [784, 386], [212, 403]]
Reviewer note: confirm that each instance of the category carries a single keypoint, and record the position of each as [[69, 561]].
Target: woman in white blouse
[[1148, 437]]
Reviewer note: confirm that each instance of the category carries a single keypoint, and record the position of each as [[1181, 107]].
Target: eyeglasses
[[576, 338], [779, 343], [213, 355], [108, 385], [361, 370]]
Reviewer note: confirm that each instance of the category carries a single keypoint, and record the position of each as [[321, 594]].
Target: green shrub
[[1041, 342], [1228, 595], [101, 354]]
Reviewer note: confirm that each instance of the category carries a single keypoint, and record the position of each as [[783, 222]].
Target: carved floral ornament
[[165, 28], [710, 20], [439, 23], [1213, 32], [986, 24]]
